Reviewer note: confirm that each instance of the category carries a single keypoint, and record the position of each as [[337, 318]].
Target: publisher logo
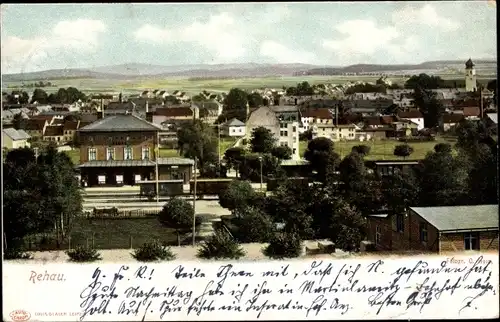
[[20, 315]]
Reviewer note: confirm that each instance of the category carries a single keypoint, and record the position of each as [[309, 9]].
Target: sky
[[45, 36]]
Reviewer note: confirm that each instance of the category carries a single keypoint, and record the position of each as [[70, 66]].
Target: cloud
[[283, 54], [426, 15], [77, 36], [219, 35]]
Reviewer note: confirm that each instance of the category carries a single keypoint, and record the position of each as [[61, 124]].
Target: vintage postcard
[[249, 161]]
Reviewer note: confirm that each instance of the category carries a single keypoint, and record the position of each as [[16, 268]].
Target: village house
[[168, 115], [122, 150], [414, 116], [14, 139], [335, 132], [54, 133], [312, 116], [282, 122], [448, 121], [436, 229], [70, 128], [233, 128], [36, 127]]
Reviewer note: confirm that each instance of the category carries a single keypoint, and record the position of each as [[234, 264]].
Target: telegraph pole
[[156, 170], [194, 203]]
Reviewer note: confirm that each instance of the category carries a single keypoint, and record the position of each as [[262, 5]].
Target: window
[[145, 153], [294, 129], [471, 241], [283, 133], [400, 223], [92, 154], [127, 153], [378, 235], [110, 153], [294, 150], [423, 232]]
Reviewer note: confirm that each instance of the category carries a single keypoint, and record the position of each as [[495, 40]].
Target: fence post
[[131, 242], [69, 242], [93, 240]]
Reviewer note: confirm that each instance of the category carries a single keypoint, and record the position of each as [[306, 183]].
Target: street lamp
[[261, 182]]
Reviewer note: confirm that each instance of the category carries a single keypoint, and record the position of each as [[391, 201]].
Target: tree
[[19, 122], [483, 175], [492, 86], [235, 104], [153, 251], [255, 100], [472, 133], [428, 104], [40, 96], [262, 140], [238, 194], [400, 190], [347, 228], [62, 200], [197, 140], [424, 81], [363, 150], [220, 246], [403, 150], [254, 225], [284, 245], [442, 148], [252, 166], [282, 152], [322, 157], [442, 180], [18, 97], [178, 214], [233, 157]]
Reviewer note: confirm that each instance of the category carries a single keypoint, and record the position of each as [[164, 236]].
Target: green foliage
[[322, 157], [427, 103], [235, 105], [254, 225], [262, 140], [403, 150], [400, 190], [18, 97], [284, 245], [282, 152], [347, 228], [220, 246], [302, 89], [363, 150], [250, 167], [13, 253], [68, 95], [424, 81], [255, 100], [366, 88], [177, 213], [198, 140], [83, 254], [40, 96], [237, 195], [233, 157], [443, 148], [153, 251]]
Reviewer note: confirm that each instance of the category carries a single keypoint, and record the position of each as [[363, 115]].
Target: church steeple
[[470, 76], [469, 64]]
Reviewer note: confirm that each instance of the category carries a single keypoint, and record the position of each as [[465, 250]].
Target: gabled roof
[[469, 64], [174, 111], [471, 111], [35, 124], [284, 108], [71, 125], [414, 114], [460, 217], [235, 122], [452, 118], [493, 117], [120, 123], [54, 130], [319, 113], [16, 135]]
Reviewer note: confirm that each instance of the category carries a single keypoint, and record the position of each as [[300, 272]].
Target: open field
[[383, 150], [193, 87], [225, 143]]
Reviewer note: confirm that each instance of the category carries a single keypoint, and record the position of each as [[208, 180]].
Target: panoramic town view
[[252, 131]]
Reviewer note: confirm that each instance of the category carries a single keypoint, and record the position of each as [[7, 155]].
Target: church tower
[[470, 76]]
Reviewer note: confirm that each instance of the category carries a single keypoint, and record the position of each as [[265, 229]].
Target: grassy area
[[383, 150], [194, 87]]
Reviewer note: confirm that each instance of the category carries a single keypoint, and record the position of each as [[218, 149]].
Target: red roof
[[319, 113], [70, 126], [452, 118], [35, 125], [414, 114], [471, 111], [174, 111], [56, 130]]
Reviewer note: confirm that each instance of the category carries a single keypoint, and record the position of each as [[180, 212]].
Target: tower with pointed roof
[[470, 76]]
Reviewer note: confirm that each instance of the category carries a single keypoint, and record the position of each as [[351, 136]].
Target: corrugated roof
[[460, 217], [120, 123], [118, 163], [16, 135], [175, 161]]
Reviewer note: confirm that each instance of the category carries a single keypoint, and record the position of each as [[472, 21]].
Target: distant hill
[[426, 66], [134, 70]]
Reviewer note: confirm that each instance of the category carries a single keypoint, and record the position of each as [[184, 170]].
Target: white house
[[234, 128], [345, 132], [413, 116], [14, 139]]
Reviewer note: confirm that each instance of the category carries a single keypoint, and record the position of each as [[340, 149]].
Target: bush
[[153, 251], [403, 150], [11, 253], [220, 246], [284, 245], [254, 225], [83, 254]]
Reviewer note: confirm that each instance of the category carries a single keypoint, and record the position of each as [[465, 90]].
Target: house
[[471, 112], [450, 120], [312, 116], [233, 128], [211, 105], [70, 128], [121, 149], [35, 128], [280, 124], [493, 117], [14, 139], [414, 116], [171, 114], [335, 132], [54, 133], [436, 229]]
